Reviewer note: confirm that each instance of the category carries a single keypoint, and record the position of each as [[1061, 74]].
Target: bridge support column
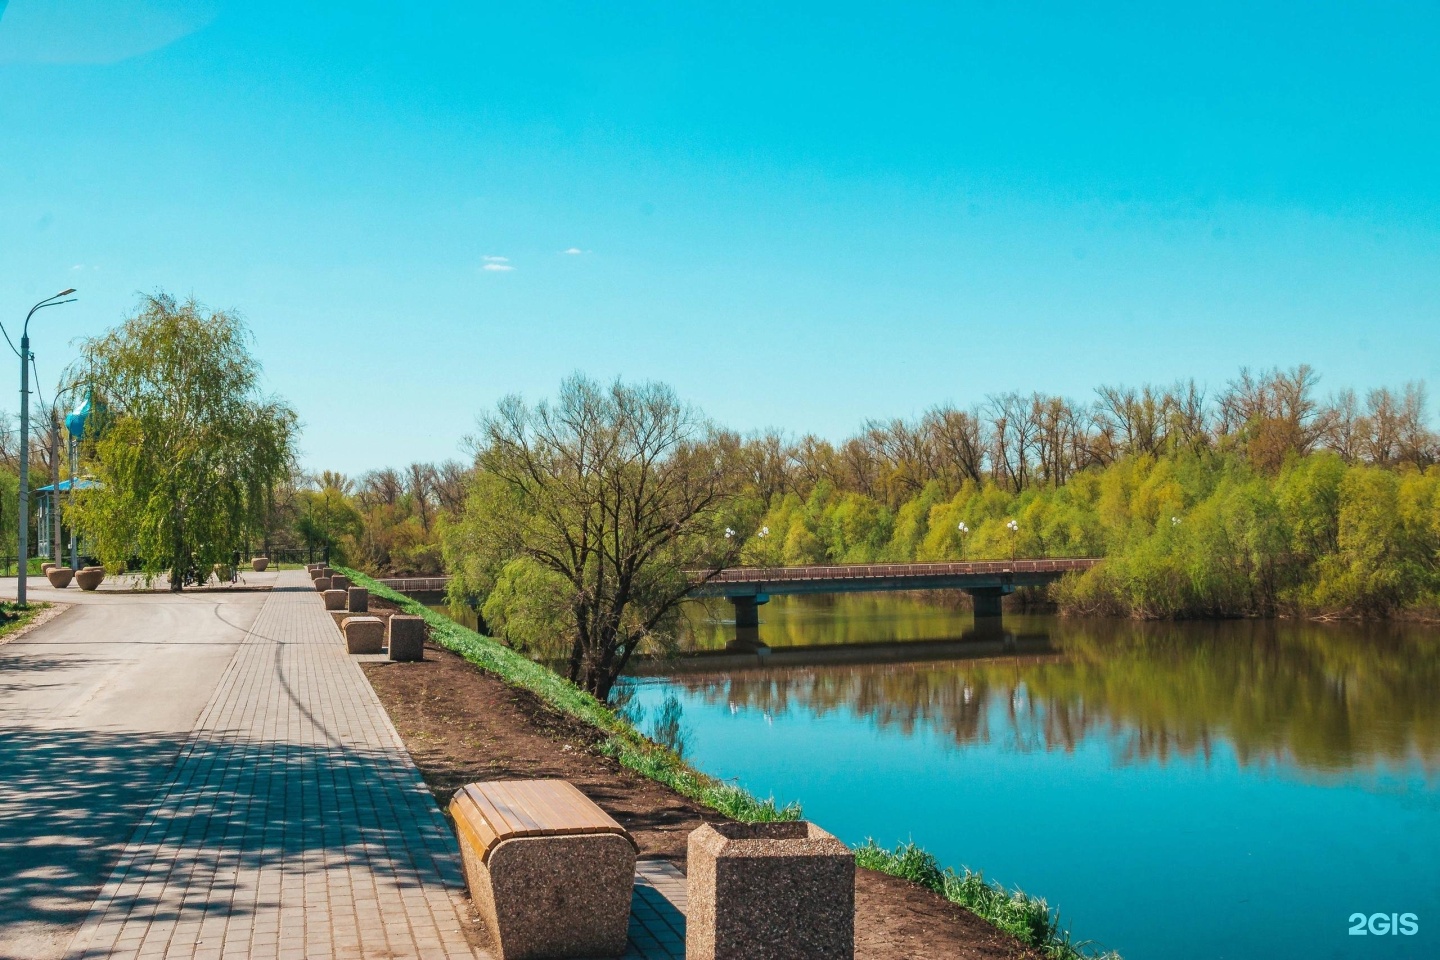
[[987, 602], [747, 623], [747, 611]]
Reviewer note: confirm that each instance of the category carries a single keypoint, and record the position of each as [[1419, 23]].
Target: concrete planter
[[90, 577], [771, 890], [258, 564], [59, 577], [45, 568]]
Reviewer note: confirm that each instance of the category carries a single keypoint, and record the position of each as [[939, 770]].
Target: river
[[1233, 789]]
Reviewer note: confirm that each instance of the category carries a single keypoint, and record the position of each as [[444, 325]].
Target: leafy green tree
[[328, 519], [529, 608], [191, 449], [619, 492]]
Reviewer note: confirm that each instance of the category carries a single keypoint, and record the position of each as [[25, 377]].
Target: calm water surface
[[1197, 790]]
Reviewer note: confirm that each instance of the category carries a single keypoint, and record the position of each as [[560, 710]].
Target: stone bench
[[550, 872], [363, 634], [334, 599]]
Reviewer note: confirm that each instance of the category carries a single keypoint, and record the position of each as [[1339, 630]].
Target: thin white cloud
[[98, 31], [574, 251], [499, 267], [497, 259]]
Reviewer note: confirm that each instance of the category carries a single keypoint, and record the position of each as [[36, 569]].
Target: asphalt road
[[94, 708]]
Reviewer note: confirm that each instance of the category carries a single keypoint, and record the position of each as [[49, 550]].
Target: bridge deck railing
[[875, 571]]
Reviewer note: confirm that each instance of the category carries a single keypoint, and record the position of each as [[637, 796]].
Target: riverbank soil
[[461, 724]]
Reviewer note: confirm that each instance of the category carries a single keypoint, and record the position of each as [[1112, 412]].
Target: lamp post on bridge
[[964, 532], [26, 358], [1014, 529]]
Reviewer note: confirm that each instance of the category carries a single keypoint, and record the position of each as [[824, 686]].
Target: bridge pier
[[747, 623], [987, 602]]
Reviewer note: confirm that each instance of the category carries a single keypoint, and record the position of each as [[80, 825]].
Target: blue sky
[[798, 218]]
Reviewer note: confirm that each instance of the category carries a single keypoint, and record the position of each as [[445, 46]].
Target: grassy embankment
[[1029, 919]]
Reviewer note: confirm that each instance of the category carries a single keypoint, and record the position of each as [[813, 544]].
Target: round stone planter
[[59, 577], [45, 568], [258, 564], [90, 577]]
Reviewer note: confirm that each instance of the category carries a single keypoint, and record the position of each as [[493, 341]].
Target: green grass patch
[[1028, 919], [622, 741], [21, 615]]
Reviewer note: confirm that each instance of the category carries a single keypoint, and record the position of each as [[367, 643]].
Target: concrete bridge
[[987, 581]]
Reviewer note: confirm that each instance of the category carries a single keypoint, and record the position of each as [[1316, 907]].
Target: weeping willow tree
[[190, 449]]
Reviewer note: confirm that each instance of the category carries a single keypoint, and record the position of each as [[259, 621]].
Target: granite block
[[334, 599], [562, 896], [357, 600], [769, 891], [407, 637], [363, 634]]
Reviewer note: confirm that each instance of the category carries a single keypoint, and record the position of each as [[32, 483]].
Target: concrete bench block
[[407, 638], [550, 873], [364, 634], [327, 572], [555, 896], [334, 599], [339, 582], [259, 564], [322, 584], [357, 600], [774, 890]]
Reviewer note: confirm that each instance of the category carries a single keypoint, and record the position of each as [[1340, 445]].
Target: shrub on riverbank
[[623, 742], [1028, 919]]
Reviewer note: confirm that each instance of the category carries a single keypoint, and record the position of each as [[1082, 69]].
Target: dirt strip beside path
[[462, 725]]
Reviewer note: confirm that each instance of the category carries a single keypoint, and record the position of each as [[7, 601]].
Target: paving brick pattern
[[294, 825], [657, 912]]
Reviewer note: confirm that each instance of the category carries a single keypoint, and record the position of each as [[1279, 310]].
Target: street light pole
[[25, 359]]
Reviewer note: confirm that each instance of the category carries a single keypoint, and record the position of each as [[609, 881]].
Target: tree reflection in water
[[1326, 698]]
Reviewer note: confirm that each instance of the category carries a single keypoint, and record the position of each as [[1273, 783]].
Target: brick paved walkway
[[294, 825]]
